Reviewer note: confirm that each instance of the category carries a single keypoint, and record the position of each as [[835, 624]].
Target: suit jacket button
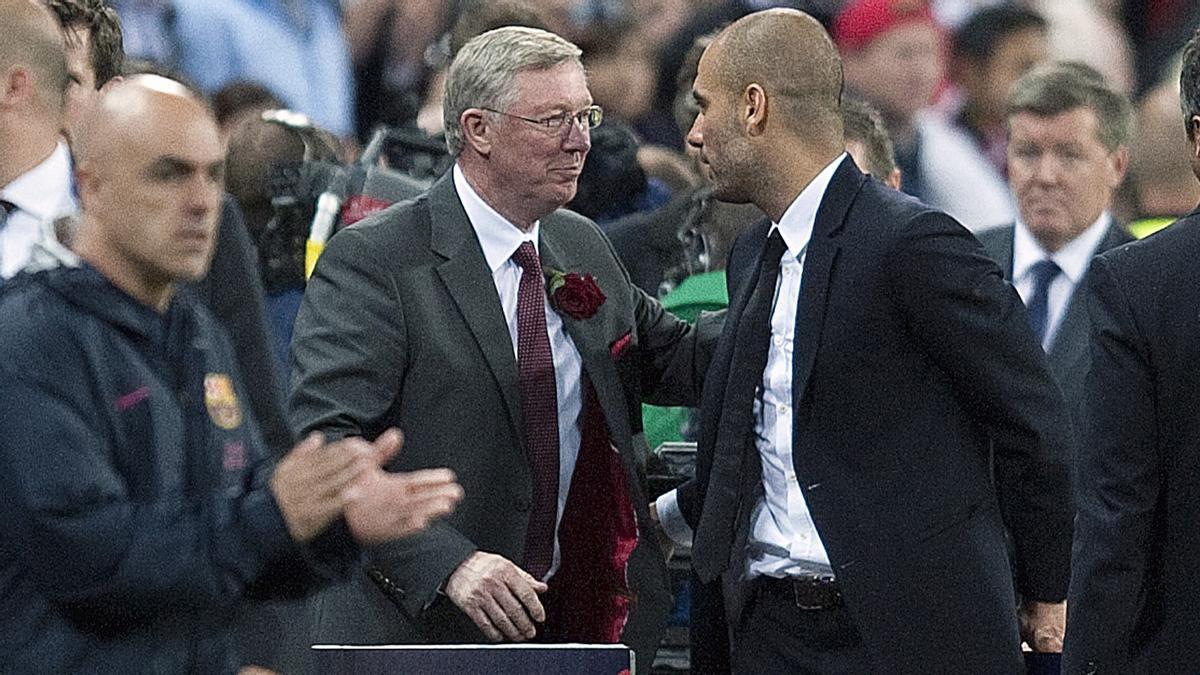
[[522, 504], [1091, 668]]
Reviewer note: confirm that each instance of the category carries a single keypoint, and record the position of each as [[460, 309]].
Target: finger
[[527, 595], [516, 612], [537, 586], [387, 445], [428, 477], [431, 508], [343, 477], [402, 493], [311, 443], [500, 620], [484, 623]]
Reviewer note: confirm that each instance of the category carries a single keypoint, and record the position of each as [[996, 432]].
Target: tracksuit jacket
[[133, 486]]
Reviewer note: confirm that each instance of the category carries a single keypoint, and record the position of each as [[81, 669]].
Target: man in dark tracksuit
[[138, 512], [136, 509]]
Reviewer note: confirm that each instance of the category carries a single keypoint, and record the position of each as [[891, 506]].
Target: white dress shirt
[[1073, 259], [499, 239], [783, 539], [41, 195]]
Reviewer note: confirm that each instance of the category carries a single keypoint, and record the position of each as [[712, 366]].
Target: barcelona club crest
[[222, 401]]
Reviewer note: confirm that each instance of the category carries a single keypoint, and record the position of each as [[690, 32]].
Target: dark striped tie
[[539, 411], [1044, 273]]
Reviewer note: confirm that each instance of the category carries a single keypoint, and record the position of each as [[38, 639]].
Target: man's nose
[[579, 136]]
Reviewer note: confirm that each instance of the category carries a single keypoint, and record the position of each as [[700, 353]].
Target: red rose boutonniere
[[579, 297]]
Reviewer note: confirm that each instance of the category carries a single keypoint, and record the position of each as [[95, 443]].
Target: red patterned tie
[[539, 410]]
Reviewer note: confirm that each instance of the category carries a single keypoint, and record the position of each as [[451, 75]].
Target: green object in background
[[1148, 226], [698, 293]]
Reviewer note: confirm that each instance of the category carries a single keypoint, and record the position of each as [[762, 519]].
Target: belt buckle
[[817, 586]]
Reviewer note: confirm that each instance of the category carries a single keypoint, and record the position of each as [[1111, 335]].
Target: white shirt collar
[[497, 235], [1073, 258], [796, 224], [44, 191]]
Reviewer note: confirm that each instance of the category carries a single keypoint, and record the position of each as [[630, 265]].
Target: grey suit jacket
[[1068, 354], [401, 325]]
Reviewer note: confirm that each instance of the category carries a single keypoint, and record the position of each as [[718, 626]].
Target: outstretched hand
[[387, 505]]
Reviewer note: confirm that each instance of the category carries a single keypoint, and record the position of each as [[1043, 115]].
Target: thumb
[[387, 445]]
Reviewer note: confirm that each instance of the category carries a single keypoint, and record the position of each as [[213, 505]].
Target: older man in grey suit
[[1067, 153], [506, 340]]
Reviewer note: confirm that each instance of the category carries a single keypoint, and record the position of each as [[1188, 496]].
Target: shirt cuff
[[670, 517]]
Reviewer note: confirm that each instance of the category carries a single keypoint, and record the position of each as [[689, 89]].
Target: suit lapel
[[1004, 252], [1071, 338], [822, 253], [587, 334], [469, 281]]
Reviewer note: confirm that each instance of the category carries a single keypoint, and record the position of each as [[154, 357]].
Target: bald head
[[789, 54], [33, 44], [151, 170], [130, 107]]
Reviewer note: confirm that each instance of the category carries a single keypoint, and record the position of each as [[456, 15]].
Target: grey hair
[[482, 72], [1054, 88]]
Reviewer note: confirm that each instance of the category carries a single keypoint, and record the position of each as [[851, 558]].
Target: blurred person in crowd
[[35, 165], [295, 48], [148, 27], [892, 51], [691, 234], [234, 101], [992, 49], [1085, 31], [1156, 28], [1068, 150], [475, 18], [267, 171], [139, 505], [1160, 182], [867, 141], [854, 509], [613, 183], [483, 305], [95, 55], [1134, 587], [390, 45]]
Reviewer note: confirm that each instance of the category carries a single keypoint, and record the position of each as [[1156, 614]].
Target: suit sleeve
[[348, 351], [348, 365], [1118, 483], [973, 326], [674, 354]]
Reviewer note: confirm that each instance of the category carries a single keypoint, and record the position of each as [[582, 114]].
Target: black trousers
[[773, 635]]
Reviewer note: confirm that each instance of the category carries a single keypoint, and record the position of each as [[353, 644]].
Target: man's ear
[[16, 85], [1194, 135], [754, 105], [86, 182], [477, 130], [1119, 164], [109, 85]]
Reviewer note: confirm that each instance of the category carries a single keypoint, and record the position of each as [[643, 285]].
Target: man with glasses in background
[[506, 339]]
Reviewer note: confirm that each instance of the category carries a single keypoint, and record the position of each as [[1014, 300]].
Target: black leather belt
[[807, 592]]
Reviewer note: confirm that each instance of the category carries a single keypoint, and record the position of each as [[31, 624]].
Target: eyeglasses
[[587, 119]]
